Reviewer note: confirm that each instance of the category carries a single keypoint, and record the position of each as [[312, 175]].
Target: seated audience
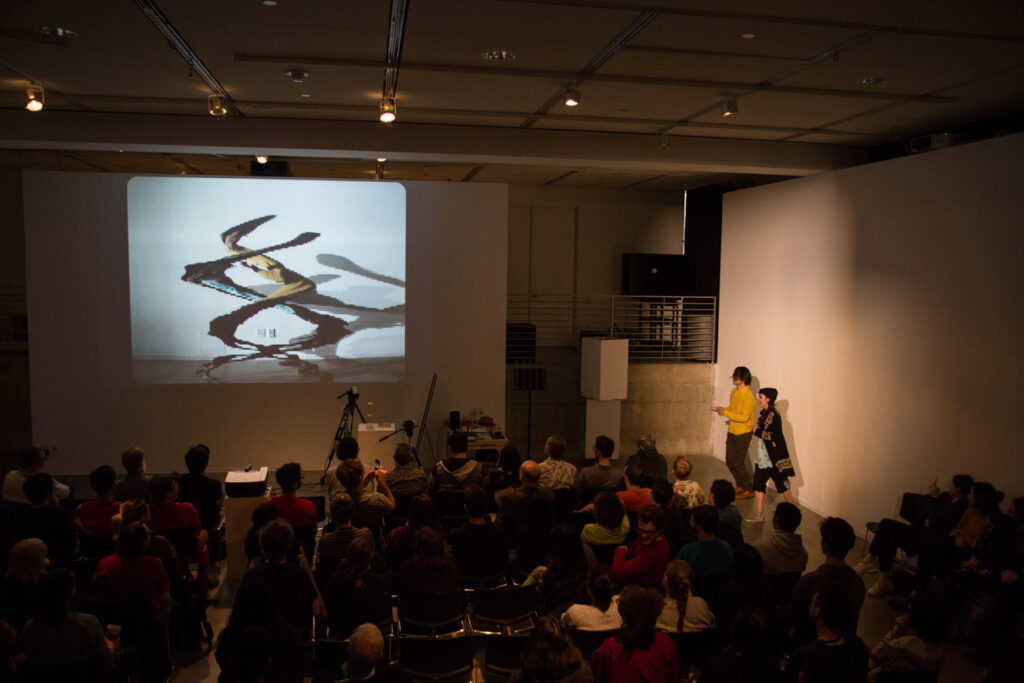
[[527, 504], [509, 461], [252, 656], [782, 550], [407, 479], [562, 579], [747, 587], [131, 573], [348, 449], [398, 545], [610, 525], [551, 656], [334, 544], [650, 469], [93, 516], [708, 555], [683, 612], [298, 512], [58, 634], [457, 471], [293, 590], [555, 472], [602, 475], [364, 660], [263, 513], [686, 488], [255, 608], [479, 547], [430, 569], [837, 538], [26, 565], [730, 522], [31, 461], [639, 653], [836, 655], [180, 524], [203, 492], [601, 613], [137, 510], [912, 645], [352, 586], [46, 520], [368, 507], [747, 658], [136, 482], [644, 562]]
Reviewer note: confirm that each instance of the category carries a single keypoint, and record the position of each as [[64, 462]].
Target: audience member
[[457, 471], [298, 512], [263, 513], [136, 482], [636, 497], [130, 573], [364, 659], [683, 612], [644, 562], [836, 655], [913, 644], [555, 472], [32, 461], [639, 653], [254, 608], [180, 524], [20, 588], [398, 546], [746, 587], [348, 449], [203, 492], [602, 475], [407, 479], [601, 613], [59, 635], [610, 525], [509, 461], [93, 516], [730, 522], [137, 510], [430, 569], [252, 656], [46, 520], [837, 538], [686, 488], [294, 593], [747, 658], [708, 555], [334, 544], [353, 585], [562, 579], [528, 504], [368, 507], [782, 550], [551, 656], [649, 469], [479, 547]]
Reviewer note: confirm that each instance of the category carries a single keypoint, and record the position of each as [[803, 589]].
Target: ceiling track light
[[729, 106], [262, 158], [217, 107], [34, 97], [572, 98], [388, 110]]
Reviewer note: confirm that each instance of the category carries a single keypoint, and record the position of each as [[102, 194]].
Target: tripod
[[348, 414]]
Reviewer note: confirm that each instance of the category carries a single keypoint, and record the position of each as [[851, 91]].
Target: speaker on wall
[[656, 274]]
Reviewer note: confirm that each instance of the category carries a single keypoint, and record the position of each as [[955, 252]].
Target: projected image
[[266, 280]]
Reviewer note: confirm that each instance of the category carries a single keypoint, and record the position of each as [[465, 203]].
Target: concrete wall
[[884, 302]]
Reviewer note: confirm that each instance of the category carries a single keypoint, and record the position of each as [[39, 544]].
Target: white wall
[[885, 304], [85, 401]]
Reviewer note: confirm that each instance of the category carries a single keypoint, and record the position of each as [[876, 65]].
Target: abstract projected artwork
[[266, 280]]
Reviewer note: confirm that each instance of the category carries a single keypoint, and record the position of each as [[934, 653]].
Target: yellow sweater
[[740, 411]]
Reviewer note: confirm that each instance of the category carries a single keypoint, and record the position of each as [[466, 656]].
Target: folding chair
[[432, 615], [502, 611]]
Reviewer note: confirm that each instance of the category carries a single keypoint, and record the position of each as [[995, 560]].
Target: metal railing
[[663, 328]]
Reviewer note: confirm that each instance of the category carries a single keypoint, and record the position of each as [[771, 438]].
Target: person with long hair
[[551, 656], [610, 525], [398, 545], [683, 612], [27, 564], [354, 583], [602, 612], [430, 569], [773, 461], [562, 580], [638, 653]]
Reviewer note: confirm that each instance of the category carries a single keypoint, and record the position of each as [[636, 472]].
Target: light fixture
[[270, 3], [34, 97], [297, 75], [388, 111], [381, 160], [572, 98], [261, 158], [217, 107], [729, 106], [748, 36]]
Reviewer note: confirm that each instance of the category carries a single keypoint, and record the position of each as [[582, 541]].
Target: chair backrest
[[445, 659], [911, 505], [504, 605], [436, 613]]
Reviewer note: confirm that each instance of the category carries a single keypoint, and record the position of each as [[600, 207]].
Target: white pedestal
[[237, 522], [604, 368]]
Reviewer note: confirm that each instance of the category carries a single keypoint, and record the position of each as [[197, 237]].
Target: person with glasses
[[644, 562]]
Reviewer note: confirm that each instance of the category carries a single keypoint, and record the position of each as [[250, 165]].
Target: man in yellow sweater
[[741, 427]]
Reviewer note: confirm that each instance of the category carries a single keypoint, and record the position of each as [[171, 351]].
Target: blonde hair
[[134, 510], [678, 580], [27, 561], [682, 460]]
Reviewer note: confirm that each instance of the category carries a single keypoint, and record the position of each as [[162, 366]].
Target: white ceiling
[[652, 78]]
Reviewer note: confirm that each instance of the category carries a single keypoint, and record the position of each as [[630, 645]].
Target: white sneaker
[[882, 587], [755, 518], [867, 565]]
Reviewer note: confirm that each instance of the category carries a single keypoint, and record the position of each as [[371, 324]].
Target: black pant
[[891, 536]]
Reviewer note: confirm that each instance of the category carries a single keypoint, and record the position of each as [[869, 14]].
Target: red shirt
[[294, 510], [658, 662], [95, 519], [641, 564], [132, 577], [175, 516], [636, 500]]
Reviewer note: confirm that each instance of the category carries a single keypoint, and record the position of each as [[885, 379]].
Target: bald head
[[365, 649], [529, 471]]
